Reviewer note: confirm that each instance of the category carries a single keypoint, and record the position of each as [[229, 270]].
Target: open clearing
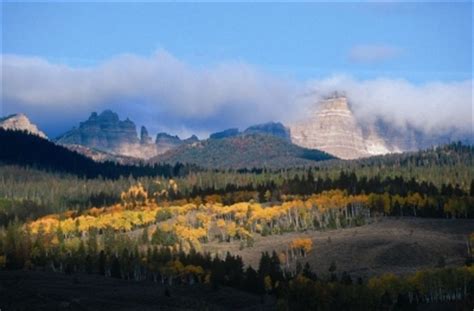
[[398, 245]]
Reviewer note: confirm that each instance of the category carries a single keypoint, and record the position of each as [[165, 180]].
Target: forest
[[154, 223]]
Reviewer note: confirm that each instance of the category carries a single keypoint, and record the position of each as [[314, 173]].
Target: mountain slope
[[243, 151], [20, 122], [23, 149]]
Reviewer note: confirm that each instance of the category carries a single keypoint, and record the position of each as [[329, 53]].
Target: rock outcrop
[[333, 128], [107, 133], [271, 128], [20, 122], [104, 132]]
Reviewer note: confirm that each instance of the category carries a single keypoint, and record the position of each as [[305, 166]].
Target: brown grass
[[398, 245]]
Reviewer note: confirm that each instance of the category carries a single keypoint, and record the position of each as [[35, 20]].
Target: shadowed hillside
[[28, 150]]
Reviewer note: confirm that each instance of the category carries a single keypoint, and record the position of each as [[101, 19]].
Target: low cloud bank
[[432, 107], [180, 98]]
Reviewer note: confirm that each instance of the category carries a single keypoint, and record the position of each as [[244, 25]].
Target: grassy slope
[[398, 245]]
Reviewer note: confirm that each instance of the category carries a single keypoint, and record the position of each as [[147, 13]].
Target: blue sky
[[303, 40], [417, 42]]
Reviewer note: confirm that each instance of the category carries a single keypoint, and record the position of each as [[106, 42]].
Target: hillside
[[395, 245], [243, 151], [27, 150]]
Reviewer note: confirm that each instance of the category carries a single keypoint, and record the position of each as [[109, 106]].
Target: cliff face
[[108, 133], [333, 128], [104, 132], [20, 122]]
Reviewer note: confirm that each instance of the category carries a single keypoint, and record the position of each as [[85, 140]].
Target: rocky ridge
[[105, 132]]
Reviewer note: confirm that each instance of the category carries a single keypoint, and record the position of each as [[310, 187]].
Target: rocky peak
[[145, 139], [20, 122], [110, 116], [333, 128], [103, 131]]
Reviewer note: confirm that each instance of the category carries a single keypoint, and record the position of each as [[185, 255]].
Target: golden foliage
[[302, 244]]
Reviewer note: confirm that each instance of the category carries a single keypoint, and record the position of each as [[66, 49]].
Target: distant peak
[[109, 115], [20, 122]]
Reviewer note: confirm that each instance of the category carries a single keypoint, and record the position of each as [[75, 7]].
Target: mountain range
[[331, 128]]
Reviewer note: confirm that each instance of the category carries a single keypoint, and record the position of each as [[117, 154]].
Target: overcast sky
[[197, 68]]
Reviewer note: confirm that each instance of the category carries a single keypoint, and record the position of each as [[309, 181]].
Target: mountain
[[226, 133], [243, 151], [271, 128], [29, 150], [105, 132], [334, 129], [20, 122]]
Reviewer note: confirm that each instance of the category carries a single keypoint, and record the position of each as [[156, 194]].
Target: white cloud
[[165, 93], [373, 53], [161, 83], [431, 106]]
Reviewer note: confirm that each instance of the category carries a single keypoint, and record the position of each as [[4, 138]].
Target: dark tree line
[[21, 148]]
